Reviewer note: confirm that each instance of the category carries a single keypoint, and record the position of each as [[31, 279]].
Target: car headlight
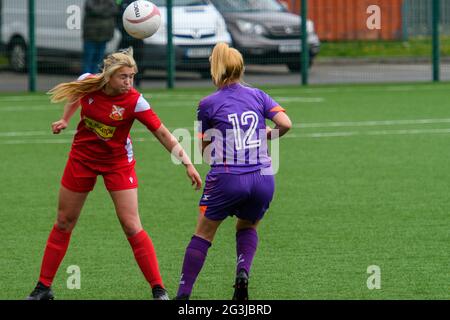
[[248, 27]]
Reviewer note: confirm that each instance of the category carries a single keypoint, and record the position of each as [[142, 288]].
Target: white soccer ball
[[141, 19]]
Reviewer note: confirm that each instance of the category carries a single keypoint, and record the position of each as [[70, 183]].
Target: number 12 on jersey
[[248, 118]]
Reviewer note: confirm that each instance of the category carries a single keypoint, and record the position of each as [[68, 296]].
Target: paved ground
[[321, 73]]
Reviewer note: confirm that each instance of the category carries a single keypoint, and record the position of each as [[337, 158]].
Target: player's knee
[[246, 224], [131, 229], [65, 223], [207, 236], [131, 232], [206, 233]]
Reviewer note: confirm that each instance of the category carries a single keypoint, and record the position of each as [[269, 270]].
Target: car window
[[181, 3], [247, 5]]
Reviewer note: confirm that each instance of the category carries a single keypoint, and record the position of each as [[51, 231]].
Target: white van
[[197, 27]]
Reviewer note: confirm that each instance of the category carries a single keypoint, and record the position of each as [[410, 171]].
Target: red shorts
[[80, 176]]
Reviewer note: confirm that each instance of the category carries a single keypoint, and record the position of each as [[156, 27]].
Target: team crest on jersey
[[117, 113]]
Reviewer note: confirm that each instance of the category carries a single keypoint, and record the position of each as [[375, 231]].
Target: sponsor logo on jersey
[[102, 130], [117, 113], [91, 100]]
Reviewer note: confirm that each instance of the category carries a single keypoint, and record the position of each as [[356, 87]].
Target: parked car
[[55, 41], [266, 33], [197, 27]]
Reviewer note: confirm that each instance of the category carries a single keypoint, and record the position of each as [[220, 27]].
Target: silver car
[[266, 33]]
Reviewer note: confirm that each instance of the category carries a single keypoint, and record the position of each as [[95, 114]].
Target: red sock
[[145, 255], [56, 248]]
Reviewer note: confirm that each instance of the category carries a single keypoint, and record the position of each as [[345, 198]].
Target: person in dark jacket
[[128, 41], [98, 28]]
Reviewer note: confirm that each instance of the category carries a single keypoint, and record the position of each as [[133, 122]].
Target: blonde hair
[[227, 65], [75, 90]]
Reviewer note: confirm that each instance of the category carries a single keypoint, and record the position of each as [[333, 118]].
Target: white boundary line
[[369, 123], [369, 133], [298, 125], [290, 136], [38, 107], [175, 95], [181, 104]]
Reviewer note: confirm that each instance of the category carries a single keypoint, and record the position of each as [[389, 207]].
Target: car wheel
[[297, 67], [18, 55], [294, 67]]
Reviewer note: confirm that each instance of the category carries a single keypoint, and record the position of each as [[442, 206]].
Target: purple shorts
[[247, 196]]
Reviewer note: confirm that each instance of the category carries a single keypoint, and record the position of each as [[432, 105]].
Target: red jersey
[[103, 134]]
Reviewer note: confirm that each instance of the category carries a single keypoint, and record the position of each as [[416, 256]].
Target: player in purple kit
[[240, 182]]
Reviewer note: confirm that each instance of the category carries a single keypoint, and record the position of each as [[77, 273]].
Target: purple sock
[[194, 258], [246, 244]]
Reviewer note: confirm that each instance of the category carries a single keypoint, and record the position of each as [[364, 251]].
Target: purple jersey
[[233, 118]]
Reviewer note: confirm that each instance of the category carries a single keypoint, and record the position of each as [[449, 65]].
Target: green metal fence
[[419, 54], [418, 17]]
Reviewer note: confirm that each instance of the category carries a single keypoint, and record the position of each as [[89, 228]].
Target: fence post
[[405, 20], [1, 25], [304, 43], [436, 44], [170, 50], [32, 66]]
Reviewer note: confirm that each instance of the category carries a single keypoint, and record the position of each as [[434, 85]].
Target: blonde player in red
[[102, 146]]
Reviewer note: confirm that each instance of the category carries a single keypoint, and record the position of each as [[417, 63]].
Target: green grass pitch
[[363, 180]]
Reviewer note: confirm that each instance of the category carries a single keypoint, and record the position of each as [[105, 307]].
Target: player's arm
[[173, 146], [204, 126], [276, 113], [69, 110], [204, 144], [282, 123]]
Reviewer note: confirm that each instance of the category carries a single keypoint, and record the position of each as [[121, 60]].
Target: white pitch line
[[368, 123], [290, 136], [369, 133], [23, 133], [300, 99], [29, 108], [60, 141], [37, 141], [410, 131], [297, 125], [7, 134], [394, 88], [182, 104], [23, 98], [171, 95]]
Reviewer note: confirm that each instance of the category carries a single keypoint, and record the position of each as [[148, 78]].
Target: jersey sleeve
[[271, 107], [203, 118], [145, 114]]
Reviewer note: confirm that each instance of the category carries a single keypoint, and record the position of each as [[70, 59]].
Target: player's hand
[[58, 126], [194, 176], [268, 132]]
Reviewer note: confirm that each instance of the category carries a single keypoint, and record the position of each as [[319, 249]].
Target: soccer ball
[[141, 19]]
